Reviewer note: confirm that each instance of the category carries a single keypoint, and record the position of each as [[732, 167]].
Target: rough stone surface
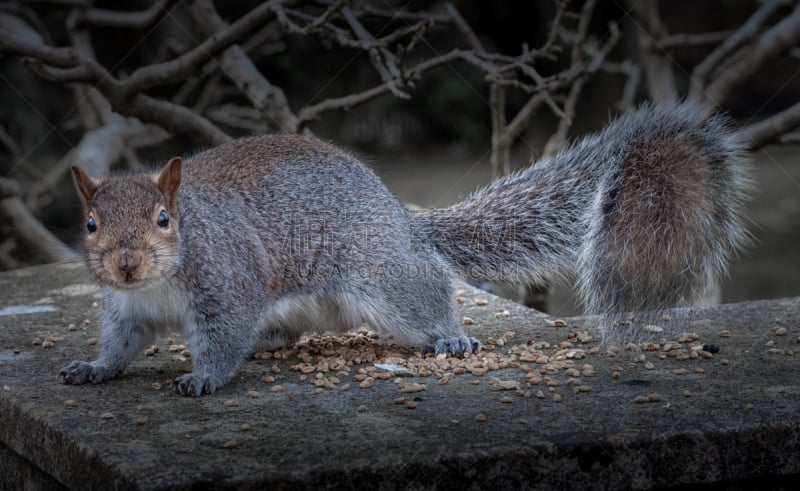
[[739, 423]]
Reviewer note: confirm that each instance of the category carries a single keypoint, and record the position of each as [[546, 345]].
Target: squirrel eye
[[91, 226], [163, 219]]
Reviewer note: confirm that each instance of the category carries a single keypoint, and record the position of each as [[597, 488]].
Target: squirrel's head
[[132, 236]]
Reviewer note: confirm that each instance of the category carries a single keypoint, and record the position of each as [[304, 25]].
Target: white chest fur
[[164, 305]]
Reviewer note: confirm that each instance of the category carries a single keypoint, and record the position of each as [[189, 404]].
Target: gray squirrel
[[254, 242]]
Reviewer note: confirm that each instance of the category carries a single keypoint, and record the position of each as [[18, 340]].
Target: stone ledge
[[739, 423]]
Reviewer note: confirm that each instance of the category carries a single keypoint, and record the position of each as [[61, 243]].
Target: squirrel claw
[[81, 372], [192, 385], [454, 346]]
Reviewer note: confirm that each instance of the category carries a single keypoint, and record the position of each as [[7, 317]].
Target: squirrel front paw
[[194, 385], [81, 372], [454, 346]]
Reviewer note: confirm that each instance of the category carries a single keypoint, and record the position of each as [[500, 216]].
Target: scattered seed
[[506, 400], [583, 388], [37, 341], [641, 399], [251, 394], [362, 409], [412, 388], [725, 333], [107, 415], [686, 393], [229, 444], [411, 405], [268, 379], [498, 385], [479, 371], [232, 403], [781, 331], [480, 302], [649, 365], [156, 386], [16, 351], [71, 403], [653, 397], [91, 341], [480, 418], [461, 299], [557, 398], [140, 421], [277, 388], [468, 321], [399, 400]]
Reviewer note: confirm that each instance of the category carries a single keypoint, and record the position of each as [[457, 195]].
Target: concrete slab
[[732, 422]]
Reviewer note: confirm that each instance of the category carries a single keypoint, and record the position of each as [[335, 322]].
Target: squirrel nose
[[128, 261]]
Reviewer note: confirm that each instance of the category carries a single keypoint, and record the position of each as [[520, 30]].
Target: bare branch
[[97, 150], [747, 32], [559, 138], [382, 59], [465, 29], [173, 117], [238, 67], [178, 120], [27, 227], [125, 20], [773, 127], [633, 75], [178, 69], [789, 139], [310, 113], [684, 40], [771, 44], [501, 144], [657, 67]]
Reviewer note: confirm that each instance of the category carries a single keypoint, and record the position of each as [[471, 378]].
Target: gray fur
[[274, 236], [646, 214]]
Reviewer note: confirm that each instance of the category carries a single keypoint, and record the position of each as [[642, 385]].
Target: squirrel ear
[[168, 181], [85, 184]]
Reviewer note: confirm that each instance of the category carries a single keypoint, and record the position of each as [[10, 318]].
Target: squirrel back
[[646, 213]]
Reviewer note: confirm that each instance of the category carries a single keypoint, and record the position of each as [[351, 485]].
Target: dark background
[[431, 149]]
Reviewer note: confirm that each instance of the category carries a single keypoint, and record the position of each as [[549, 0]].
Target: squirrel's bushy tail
[[645, 213]]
